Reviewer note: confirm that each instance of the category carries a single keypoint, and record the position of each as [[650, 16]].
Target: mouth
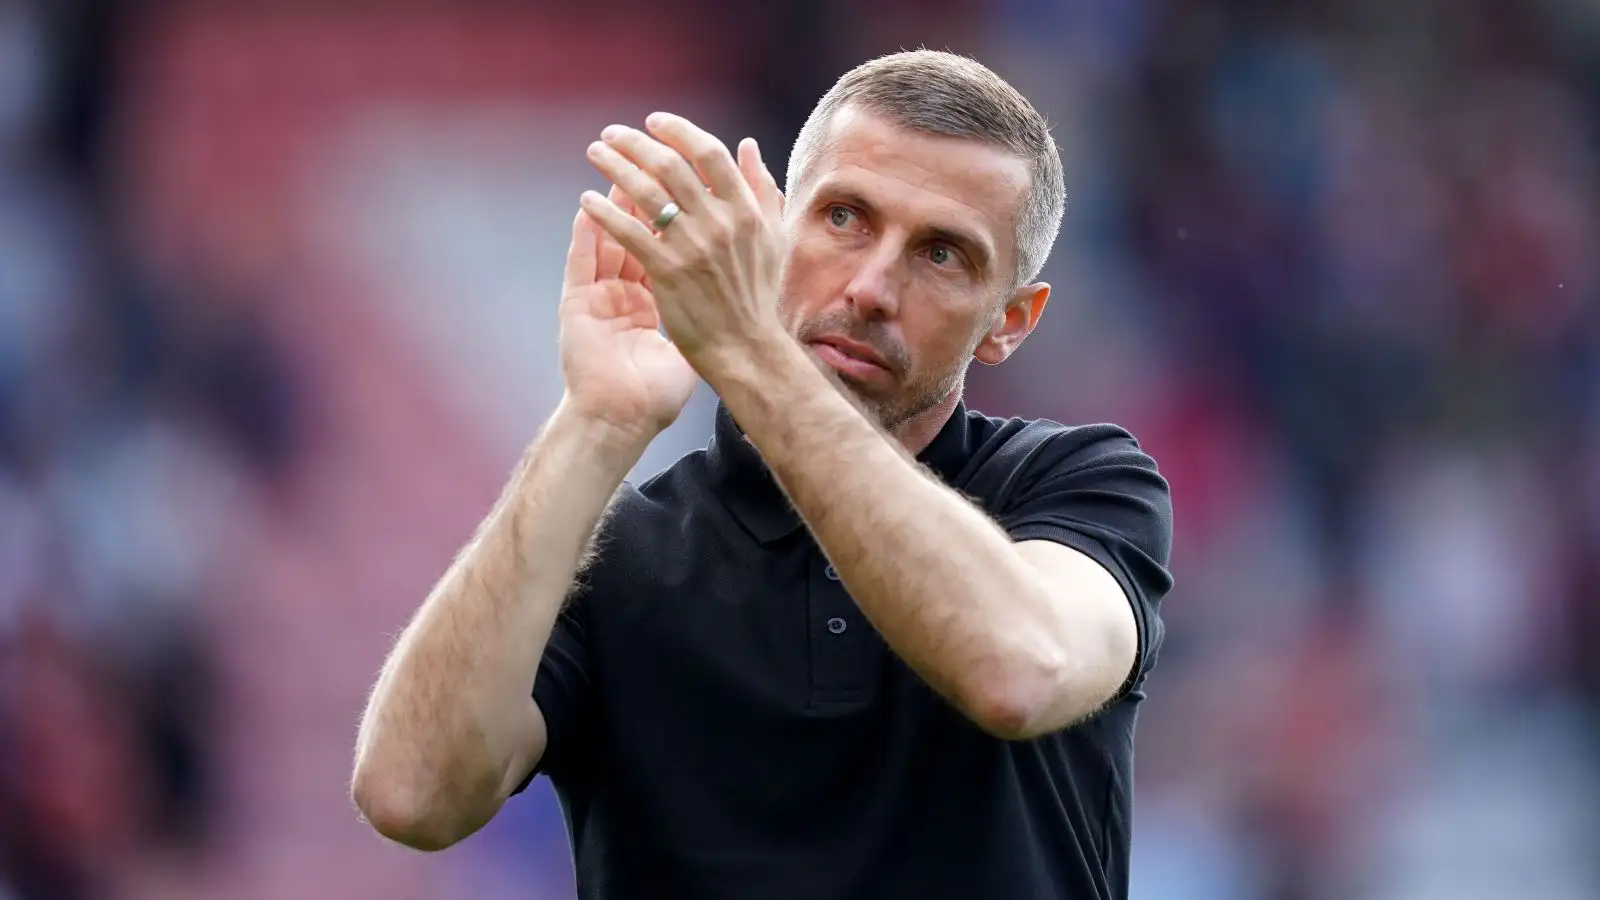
[[849, 358]]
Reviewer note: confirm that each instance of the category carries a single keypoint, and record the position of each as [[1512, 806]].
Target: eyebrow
[[970, 242]]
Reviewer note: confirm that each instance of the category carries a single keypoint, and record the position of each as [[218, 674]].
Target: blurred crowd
[[1352, 257], [1335, 262], [141, 411]]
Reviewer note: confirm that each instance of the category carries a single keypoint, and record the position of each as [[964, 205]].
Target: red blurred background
[[277, 288]]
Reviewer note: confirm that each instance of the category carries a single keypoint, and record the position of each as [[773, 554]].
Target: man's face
[[902, 253]]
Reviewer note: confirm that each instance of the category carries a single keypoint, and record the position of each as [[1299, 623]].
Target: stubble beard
[[889, 413]]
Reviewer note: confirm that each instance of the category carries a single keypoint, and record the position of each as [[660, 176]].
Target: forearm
[[451, 724], [934, 574]]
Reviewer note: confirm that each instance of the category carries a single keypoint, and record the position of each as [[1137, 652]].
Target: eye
[[940, 255], [840, 216]]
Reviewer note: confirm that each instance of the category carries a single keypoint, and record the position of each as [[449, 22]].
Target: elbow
[[400, 813], [1050, 688], [1021, 706], [1021, 702], [1011, 707]]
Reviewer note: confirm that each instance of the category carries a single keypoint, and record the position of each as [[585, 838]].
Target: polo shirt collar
[[748, 489]]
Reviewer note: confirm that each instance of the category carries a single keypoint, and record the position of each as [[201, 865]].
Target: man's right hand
[[619, 368]]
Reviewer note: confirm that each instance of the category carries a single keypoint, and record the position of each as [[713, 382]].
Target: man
[[868, 643]]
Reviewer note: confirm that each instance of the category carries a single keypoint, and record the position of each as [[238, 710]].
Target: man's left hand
[[714, 267]]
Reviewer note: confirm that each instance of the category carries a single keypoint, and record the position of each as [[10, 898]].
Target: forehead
[[931, 178]]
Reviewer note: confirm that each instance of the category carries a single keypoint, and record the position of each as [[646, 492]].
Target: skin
[[868, 261], [897, 247], [450, 729], [899, 243]]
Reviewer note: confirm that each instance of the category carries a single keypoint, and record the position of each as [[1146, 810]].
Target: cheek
[[939, 331], [808, 281], [938, 346], [946, 349]]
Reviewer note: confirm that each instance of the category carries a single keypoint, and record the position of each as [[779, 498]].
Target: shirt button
[[837, 625], [832, 575]]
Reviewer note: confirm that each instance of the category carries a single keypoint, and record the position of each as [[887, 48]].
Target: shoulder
[[655, 521], [1092, 488], [642, 506], [1034, 449], [1039, 476]]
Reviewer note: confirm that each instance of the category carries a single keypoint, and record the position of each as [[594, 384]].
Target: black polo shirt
[[724, 723]]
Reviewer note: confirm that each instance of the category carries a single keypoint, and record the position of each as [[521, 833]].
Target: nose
[[874, 290]]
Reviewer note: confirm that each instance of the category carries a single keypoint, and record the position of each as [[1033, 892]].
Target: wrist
[[620, 443], [750, 363]]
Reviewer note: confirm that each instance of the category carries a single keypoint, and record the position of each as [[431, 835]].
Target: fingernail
[[596, 148], [656, 119], [612, 132]]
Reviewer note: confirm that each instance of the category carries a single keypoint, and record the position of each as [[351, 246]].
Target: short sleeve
[[1093, 489], [561, 689]]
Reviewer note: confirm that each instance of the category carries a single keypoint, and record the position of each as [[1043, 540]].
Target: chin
[[868, 404]]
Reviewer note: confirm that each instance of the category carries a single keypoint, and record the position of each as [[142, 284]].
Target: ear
[[1016, 320]]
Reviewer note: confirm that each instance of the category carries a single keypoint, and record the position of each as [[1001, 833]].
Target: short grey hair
[[937, 93]]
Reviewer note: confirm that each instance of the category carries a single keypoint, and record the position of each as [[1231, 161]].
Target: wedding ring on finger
[[665, 217]]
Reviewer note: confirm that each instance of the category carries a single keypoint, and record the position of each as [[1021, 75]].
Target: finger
[[759, 178], [709, 156], [612, 257], [662, 163], [631, 270], [632, 234], [583, 254], [626, 204], [648, 196]]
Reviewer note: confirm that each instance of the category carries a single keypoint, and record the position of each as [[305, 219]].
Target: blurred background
[[277, 294]]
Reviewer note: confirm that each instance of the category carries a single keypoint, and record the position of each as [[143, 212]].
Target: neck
[[917, 432]]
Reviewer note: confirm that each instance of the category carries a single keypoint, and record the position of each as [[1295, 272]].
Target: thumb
[[759, 178]]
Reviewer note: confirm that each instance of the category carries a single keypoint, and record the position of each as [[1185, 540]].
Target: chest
[[741, 681], [736, 629]]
